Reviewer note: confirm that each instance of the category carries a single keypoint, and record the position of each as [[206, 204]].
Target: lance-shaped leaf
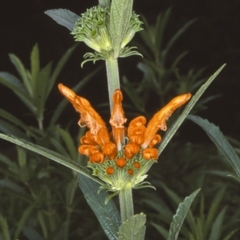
[[107, 214], [63, 17], [219, 140], [180, 215], [50, 154]]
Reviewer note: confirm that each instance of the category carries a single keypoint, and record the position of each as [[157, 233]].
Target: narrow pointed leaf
[[120, 15], [133, 228], [217, 226], [59, 67], [4, 228], [41, 85], [220, 141], [69, 143], [8, 128], [50, 154], [17, 87], [180, 215], [23, 220], [22, 72], [63, 17], [8, 116], [35, 63], [107, 214], [172, 130], [161, 230]]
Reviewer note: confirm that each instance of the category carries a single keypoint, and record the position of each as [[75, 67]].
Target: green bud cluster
[[92, 28]]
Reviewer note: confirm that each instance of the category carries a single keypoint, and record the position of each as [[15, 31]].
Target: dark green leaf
[[9, 128], [22, 72], [161, 230], [63, 17], [18, 88], [35, 63], [4, 227], [133, 228], [23, 219], [8, 116], [180, 215], [40, 89], [220, 141], [59, 67], [217, 226], [50, 154], [107, 214]]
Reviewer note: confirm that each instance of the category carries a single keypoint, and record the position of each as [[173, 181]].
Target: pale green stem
[[112, 78], [126, 203]]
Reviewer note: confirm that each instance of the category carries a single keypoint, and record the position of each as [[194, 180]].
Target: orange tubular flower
[[117, 119], [113, 158]]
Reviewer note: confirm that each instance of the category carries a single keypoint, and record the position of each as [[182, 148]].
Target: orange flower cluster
[[121, 144]]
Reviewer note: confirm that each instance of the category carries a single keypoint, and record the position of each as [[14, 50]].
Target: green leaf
[[23, 219], [50, 154], [120, 15], [35, 64], [9, 128], [67, 138], [7, 161], [180, 215], [104, 3], [22, 72], [40, 89], [161, 24], [107, 214], [220, 141], [133, 228], [63, 17], [6, 183], [217, 226], [229, 235], [214, 209], [172, 130], [59, 67], [161, 230], [8, 116], [176, 37], [5, 228], [18, 88]]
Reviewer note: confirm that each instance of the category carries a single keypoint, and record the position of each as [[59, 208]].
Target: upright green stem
[[126, 203], [112, 78]]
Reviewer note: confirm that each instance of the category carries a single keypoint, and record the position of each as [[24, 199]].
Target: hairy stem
[[112, 78], [126, 203]]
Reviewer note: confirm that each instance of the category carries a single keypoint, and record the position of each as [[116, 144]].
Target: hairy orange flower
[[124, 149]]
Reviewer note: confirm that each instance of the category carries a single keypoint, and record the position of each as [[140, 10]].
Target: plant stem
[[126, 203], [112, 78]]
